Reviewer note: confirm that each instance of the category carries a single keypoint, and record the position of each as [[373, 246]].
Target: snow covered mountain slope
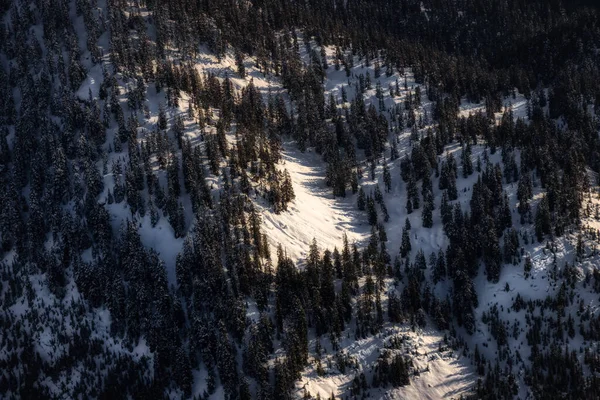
[[180, 220], [440, 371], [315, 213]]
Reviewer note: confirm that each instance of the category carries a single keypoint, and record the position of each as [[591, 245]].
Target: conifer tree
[[405, 246]]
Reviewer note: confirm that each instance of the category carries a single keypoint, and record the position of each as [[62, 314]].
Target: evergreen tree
[[361, 202], [387, 178], [405, 246]]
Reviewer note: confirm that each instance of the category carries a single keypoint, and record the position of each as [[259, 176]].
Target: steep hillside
[[256, 200]]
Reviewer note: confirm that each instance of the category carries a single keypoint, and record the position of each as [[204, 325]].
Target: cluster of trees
[[66, 161]]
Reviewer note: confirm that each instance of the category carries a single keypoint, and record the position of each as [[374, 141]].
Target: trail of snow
[[315, 213]]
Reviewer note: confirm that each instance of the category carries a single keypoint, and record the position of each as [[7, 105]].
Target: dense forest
[[120, 146]]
